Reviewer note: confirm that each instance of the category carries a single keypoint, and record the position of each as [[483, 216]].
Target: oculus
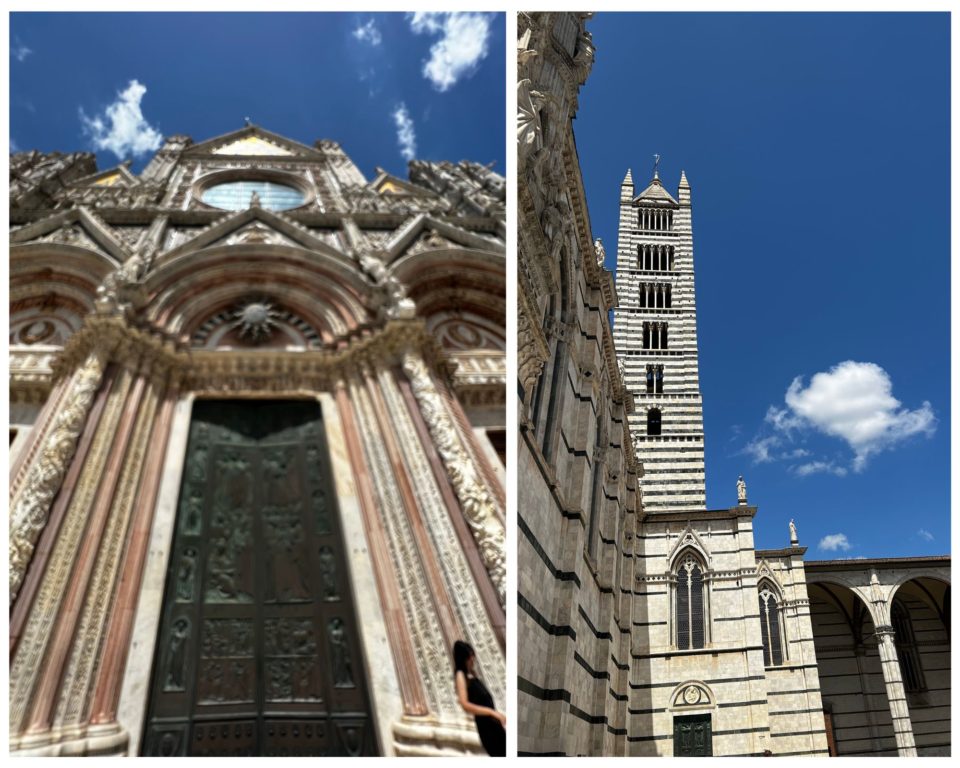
[[239, 195]]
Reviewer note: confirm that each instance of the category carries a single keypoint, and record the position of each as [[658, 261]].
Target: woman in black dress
[[477, 701]]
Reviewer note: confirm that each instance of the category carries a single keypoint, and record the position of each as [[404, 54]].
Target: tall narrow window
[[690, 616], [653, 421], [770, 627], [650, 382], [658, 380], [903, 638]]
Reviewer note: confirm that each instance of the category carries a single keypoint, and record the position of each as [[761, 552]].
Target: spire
[[683, 192], [626, 187]]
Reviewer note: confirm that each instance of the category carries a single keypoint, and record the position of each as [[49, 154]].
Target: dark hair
[[461, 654]]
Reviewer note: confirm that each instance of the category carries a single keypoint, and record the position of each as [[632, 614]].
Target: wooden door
[[258, 651]]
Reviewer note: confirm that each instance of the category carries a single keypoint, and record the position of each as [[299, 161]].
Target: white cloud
[[368, 33], [925, 534], [406, 135], [760, 448], [855, 402], [14, 147], [462, 44], [819, 467], [121, 128], [19, 51], [833, 542]]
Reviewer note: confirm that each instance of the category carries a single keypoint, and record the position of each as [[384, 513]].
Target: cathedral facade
[[649, 624], [257, 444]]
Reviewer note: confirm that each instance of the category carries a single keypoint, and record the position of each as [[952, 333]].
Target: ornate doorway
[[258, 651]]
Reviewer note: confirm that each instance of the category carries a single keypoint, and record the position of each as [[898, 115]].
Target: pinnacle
[[683, 179], [628, 179]]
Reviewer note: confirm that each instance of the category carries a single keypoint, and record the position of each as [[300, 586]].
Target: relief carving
[[340, 662], [173, 677], [475, 501], [29, 516]]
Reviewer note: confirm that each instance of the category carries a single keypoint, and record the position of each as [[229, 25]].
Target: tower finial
[[656, 166]]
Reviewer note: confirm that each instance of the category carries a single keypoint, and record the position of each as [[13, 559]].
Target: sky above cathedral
[[388, 87], [817, 150]]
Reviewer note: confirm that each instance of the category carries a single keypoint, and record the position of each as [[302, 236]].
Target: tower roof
[[655, 193], [628, 179]]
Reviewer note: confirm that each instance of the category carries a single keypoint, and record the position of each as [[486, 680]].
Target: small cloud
[[406, 135], [854, 401], [833, 542], [368, 33], [14, 147], [128, 132], [819, 467], [461, 47], [760, 448], [925, 534], [19, 51]]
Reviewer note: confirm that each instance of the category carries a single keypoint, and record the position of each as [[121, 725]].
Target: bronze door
[[258, 651], [692, 736]]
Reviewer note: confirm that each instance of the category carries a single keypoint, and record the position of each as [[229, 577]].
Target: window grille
[[906, 645], [770, 628]]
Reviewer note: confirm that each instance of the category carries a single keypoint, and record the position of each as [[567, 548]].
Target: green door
[[692, 736], [258, 651]]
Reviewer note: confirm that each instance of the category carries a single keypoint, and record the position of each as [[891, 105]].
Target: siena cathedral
[[649, 624], [257, 443]]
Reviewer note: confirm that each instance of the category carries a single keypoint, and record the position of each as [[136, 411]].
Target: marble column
[[896, 696]]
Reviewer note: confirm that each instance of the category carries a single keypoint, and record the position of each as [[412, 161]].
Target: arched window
[[690, 621], [653, 421], [906, 643], [770, 626]]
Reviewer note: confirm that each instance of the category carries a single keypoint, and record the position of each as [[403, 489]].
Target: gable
[[251, 145]]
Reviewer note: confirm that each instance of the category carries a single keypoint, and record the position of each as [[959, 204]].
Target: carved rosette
[[475, 501], [29, 517]]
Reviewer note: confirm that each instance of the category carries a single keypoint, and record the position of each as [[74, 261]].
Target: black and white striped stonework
[[655, 268]]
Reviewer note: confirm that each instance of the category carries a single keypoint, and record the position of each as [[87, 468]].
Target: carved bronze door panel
[[692, 736], [258, 651]]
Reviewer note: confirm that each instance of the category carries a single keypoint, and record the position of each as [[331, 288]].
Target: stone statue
[[793, 534], [601, 252], [741, 490]]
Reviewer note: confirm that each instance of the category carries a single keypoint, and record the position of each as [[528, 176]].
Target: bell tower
[[655, 331]]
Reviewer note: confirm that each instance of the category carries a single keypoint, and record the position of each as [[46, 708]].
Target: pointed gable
[[251, 145], [656, 194], [252, 141]]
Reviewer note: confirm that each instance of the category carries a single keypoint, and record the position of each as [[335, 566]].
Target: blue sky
[[386, 86], [817, 149]]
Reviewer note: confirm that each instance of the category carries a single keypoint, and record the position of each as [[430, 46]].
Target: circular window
[[236, 195]]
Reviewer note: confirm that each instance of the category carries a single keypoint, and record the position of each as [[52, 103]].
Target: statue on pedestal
[[741, 490]]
